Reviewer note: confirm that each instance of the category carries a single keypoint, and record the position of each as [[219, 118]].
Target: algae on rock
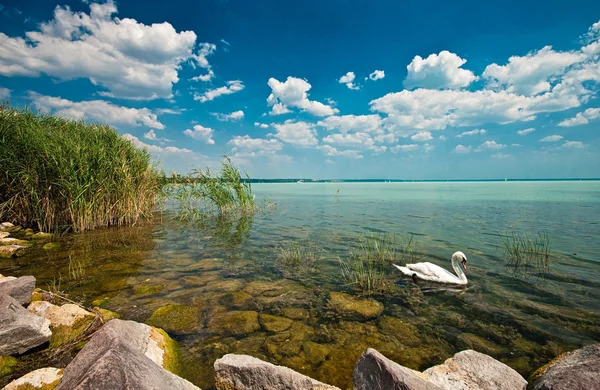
[[176, 318]]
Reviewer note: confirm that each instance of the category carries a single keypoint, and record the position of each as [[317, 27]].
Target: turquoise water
[[223, 277]]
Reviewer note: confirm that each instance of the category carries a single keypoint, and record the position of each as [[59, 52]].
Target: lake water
[[211, 278]]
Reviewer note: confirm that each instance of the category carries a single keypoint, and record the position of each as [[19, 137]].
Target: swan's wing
[[404, 270], [432, 272]]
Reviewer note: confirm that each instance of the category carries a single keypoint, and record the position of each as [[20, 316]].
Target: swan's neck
[[458, 270]]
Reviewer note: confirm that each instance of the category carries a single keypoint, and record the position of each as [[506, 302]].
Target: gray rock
[[7, 251], [373, 371], [19, 288], [19, 329], [243, 372], [44, 378], [577, 370], [115, 358], [5, 225], [471, 370], [4, 234]]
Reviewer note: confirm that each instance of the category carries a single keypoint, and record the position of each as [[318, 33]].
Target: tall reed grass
[[525, 255], [58, 174]]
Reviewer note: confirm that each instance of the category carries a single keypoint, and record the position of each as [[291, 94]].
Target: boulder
[[5, 226], [373, 371], [20, 289], [42, 236], [4, 234], [243, 372], [20, 330], [577, 370], [471, 370], [7, 251], [122, 355], [44, 378], [13, 241], [67, 322], [353, 307]]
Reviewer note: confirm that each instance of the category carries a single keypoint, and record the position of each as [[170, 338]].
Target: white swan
[[434, 273]]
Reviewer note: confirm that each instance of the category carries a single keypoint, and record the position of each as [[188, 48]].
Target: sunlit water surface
[[223, 272]]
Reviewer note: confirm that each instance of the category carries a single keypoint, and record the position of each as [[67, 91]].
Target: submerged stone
[[234, 323], [43, 379], [405, 332], [237, 299], [479, 344], [51, 245], [176, 318], [353, 307], [8, 251], [147, 289], [20, 330], [272, 323], [295, 313]]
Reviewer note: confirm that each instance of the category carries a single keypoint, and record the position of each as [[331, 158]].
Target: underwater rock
[[20, 289], [67, 322], [19, 329], [120, 356], [403, 331], [43, 379], [176, 318], [375, 371], [4, 234], [225, 285], [352, 307], [243, 372], [576, 370], [295, 313], [272, 323], [147, 289], [8, 251], [477, 343], [234, 323], [51, 245], [473, 370], [237, 299], [4, 226], [316, 352]]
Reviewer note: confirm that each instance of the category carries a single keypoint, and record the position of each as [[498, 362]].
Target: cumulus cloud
[[582, 118], [201, 133], [234, 116], [127, 58], [487, 145], [348, 79], [151, 135], [4, 93], [573, 145], [154, 149], [204, 77], [232, 86], [96, 110], [472, 132], [296, 133], [357, 139], [246, 146], [526, 131], [404, 148], [462, 149], [376, 75], [261, 125], [438, 71], [332, 151], [294, 93], [552, 138], [422, 136], [350, 123]]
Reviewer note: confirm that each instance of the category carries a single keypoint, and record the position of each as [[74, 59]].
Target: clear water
[[224, 272]]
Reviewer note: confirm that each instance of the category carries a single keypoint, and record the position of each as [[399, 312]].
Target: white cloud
[[348, 79], [516, 145], [201, 133], [96, 110], [232, 86], [331, 151], [461, 149], [154, 148], [472, 132], [294, 93], [422, 136], [526, 131], [442, 137], [582, 118], [279, 109], [438, 71], [261, 125], [151, 135], [162, 111], [129, 59], [490, 145], [4, 93], [296, 133], [234, 116], [358, 139], [530, 74], [500, 156], [350, 123], [573, 145], [376, 75], [552, 138], [204, 77], [404, 148], [246, 146]]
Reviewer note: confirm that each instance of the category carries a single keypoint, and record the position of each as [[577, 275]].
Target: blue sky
[[322, 89]]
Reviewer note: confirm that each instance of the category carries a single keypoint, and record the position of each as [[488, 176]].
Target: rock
[[577, 370], [20, 330], [471, 370], [403, 331], [19, 288], [237, 299], [6, 225], [147, 289], [67, 322], [44, 378], [274, 323], [243, 372], [295, 313], [7, 251], [374, 371], [6, 365], [234, 323], [42, 236], [176, 318], [13, 241], [352, 307], [107, 315], [51, 245], [120, 356], [4, 234]]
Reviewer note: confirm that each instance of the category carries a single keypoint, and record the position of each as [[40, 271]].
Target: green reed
[[526, 255], [294, 258], [58, 174]]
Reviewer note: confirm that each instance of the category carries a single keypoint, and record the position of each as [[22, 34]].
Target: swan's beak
[[464, 263]]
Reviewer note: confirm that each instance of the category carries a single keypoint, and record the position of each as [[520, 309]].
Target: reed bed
[[296, 259], [526, 255], [58, 174]]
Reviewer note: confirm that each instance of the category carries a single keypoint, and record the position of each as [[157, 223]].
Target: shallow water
[[221, 273]]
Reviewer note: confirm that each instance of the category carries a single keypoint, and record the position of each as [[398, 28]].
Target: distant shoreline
[[304, 181]]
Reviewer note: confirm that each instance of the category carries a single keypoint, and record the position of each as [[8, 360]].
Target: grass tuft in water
[[295, 258], [525, 255]]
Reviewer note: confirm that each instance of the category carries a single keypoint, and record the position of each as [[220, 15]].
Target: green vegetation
[[58, 174], [368, 265], [525, 255], [294, 258]]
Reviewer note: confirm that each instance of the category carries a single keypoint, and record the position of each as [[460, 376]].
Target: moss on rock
[[170, 347], [353, 307], [148, 289], [237, 299], [107, 315], [6, 365], [51, 245], [272, 323], [234, 323], [176, 318]]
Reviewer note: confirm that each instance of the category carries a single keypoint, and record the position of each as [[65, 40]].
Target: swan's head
[[461, 258]]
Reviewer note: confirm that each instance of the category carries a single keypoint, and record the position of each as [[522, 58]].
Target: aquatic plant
[[58, 174], [525, 255], [294, 258]]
